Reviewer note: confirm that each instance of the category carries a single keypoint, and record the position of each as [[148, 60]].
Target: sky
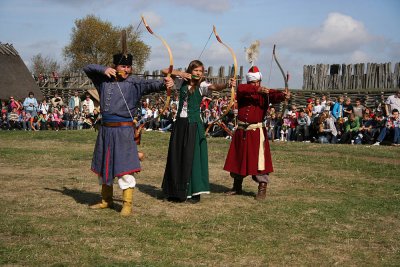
[[306, 32]]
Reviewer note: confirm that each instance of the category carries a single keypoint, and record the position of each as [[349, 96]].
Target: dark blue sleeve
[[96, 73]]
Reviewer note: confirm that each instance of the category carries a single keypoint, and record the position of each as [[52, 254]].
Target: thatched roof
[[15, 78]]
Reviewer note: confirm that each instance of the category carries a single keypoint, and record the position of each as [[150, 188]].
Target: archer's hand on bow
[[263, 90], [168, 82], [286, 93], [232, 82]]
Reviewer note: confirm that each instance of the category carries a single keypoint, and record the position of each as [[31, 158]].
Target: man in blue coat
[[115, 153]]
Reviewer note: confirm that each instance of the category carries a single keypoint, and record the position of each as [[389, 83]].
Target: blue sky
[[305, 31]]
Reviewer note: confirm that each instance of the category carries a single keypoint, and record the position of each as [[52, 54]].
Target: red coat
[[242, 157]]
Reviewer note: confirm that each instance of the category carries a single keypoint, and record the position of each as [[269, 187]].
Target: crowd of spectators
[[30, 114], [342, 120]]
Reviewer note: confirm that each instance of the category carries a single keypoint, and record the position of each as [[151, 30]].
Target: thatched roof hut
[[15, 78]]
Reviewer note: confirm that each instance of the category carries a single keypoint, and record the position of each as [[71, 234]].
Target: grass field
[[327, 205]]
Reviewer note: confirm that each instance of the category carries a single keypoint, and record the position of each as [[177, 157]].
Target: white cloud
[[338, 34], [206, 5]]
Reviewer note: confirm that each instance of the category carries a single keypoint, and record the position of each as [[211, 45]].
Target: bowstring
[[204, 48]]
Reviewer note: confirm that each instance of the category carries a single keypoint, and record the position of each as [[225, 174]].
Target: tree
[[42, 64], [95, 41]]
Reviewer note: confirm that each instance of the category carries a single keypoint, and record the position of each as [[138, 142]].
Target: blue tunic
[[115, 153]]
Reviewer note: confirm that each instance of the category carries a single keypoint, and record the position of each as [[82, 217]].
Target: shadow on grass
[[150, 190], [83, 197], [217, 188]]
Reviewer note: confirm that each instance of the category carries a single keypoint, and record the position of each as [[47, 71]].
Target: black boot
[[237, 187]]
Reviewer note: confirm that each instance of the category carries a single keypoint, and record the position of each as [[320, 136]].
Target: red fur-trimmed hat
[[253, 74]]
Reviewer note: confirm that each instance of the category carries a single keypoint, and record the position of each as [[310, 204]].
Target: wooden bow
[[285, 76], [232, 100], [171, 62]]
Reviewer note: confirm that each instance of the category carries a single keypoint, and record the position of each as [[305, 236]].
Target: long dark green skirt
[[186, 173]]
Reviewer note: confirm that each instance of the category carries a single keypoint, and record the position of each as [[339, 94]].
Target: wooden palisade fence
[[322, 77]]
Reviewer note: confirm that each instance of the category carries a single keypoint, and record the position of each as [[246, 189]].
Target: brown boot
[[106, 198], [237, 187], [262, 191]]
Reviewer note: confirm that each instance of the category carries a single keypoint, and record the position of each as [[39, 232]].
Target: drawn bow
[[285, 76], [171, 62], [232, 100]]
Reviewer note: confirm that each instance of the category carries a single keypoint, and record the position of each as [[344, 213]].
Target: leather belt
[[118, 124]]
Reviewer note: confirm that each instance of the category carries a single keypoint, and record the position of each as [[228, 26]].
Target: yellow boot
[[127, 196], [106, 198]]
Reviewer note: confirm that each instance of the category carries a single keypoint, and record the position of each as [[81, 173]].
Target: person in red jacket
[[249, 152]]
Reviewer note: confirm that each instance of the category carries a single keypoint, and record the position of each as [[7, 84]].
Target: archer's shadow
[[83, 197], [150, 190], [217, 188]]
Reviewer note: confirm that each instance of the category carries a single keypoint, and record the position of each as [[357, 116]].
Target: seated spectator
[[351, 126], [392, 125], [88, 102], [67, 118], [365, 134], [77, 119], [88, 120], [347, 108], [327, 132], [4, 120], [42, 121], [13, 119], [317, 109], [285, 128], [302, 128], [56, 120]]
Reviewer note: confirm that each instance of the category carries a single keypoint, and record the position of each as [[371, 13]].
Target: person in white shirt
[[89, 103]]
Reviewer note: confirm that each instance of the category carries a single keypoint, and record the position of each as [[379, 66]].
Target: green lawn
[[327, 205]]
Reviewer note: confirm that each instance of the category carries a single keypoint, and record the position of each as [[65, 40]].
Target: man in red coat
[[249, 152]]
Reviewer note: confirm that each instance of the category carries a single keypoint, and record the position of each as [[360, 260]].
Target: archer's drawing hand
[[263, 90], [232, 82], [110, 72], [169, 82]]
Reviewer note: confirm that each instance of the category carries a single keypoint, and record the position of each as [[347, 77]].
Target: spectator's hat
[[253, 74]]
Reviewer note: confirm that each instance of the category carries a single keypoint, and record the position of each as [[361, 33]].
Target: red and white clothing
[[249, 152]]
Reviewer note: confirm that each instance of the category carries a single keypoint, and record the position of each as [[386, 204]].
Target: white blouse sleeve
[[204, 88]]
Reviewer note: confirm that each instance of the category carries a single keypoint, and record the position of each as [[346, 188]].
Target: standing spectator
[[44, 107], [337, 109], [31, 104], [74, 101], [347, 108], [394, 101], [57, 102], [89, 103], [56, 120], [14, 104], [317, 109], [358, 109], [55, 77]]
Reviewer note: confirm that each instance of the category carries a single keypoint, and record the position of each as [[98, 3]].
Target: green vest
[[193, 102]]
